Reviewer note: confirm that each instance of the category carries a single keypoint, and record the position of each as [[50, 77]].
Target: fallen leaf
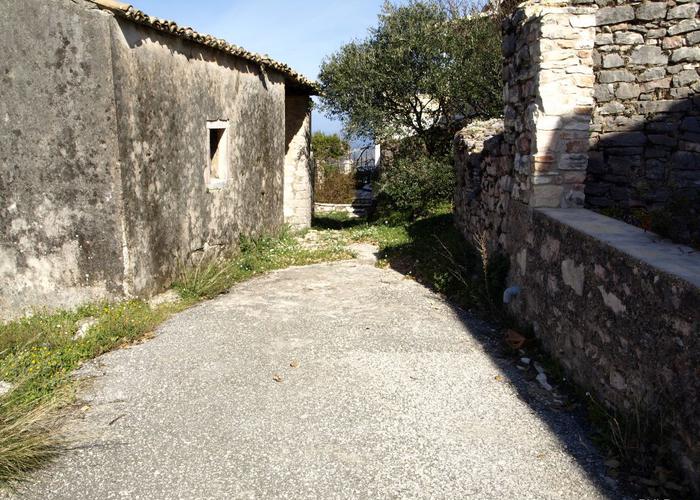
[[277, 377], [499, 378], [514, 339]]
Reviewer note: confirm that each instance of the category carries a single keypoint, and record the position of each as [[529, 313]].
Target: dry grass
[[335, 187], [29, 435], [38, 354], [213, 275]]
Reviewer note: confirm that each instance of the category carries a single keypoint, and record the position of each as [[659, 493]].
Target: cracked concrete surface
[[393, 395]]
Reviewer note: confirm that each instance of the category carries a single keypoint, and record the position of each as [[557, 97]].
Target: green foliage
[[332, 185], [431, 250], [40, 351], [419, 70], [38, 355], [413, 185], [328, 146], [212, 276]]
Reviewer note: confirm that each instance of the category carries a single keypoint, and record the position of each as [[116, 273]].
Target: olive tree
[[423, 70]]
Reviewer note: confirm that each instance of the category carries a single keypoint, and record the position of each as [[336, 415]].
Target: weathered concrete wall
[[298, 165], [60, 199], [104, 151], [647, 64], [167, 89], [620, 311]]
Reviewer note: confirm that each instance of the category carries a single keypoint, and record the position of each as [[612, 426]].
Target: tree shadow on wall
[[645, 168]]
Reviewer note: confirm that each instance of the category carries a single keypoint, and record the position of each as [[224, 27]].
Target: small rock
[[277, 377], [614, 15], [617, 381], [311, 236], [294, 363], [649, 11], [168, 297], [683, 54], [610, 482], [91, 369], [688, 11], [525, 361], [539, 367], [5, 387], [84, 326], [542, 379]]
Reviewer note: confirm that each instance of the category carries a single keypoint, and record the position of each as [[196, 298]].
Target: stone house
[[129, 144]]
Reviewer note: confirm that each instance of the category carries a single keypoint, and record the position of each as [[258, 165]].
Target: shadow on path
[[434, 256]]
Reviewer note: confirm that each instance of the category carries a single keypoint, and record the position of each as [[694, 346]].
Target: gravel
[[329, 381]]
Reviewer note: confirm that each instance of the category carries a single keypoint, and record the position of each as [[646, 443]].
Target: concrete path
[[330, 381]]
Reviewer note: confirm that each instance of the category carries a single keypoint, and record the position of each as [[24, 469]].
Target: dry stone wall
[[484, 179], [645, 142], [620, 312], [601, 108]]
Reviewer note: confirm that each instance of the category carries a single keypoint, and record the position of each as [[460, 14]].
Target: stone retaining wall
[[620, 311], [484, 180], [597, 99]]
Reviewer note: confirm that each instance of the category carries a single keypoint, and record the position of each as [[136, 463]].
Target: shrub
[[335, 187], [328, 146], [413, 185]]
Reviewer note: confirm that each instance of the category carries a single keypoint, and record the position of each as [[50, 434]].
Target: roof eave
[[129, 12]]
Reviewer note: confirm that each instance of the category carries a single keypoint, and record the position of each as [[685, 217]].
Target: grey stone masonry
[[647, 80], [484, 179], [601, 98], [548, 94], [298, 164]]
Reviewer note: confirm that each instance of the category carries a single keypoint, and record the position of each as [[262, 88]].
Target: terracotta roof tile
[[131, 13]]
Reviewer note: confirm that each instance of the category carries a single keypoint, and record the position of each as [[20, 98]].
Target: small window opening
[[217, 171]]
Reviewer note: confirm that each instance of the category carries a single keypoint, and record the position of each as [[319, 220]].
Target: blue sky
[[297, 32]]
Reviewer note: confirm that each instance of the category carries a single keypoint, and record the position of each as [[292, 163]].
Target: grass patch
[[431, 250], [38, 354], [212, 276]]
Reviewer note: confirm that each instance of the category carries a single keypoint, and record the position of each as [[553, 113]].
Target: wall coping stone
[[678, 260]]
